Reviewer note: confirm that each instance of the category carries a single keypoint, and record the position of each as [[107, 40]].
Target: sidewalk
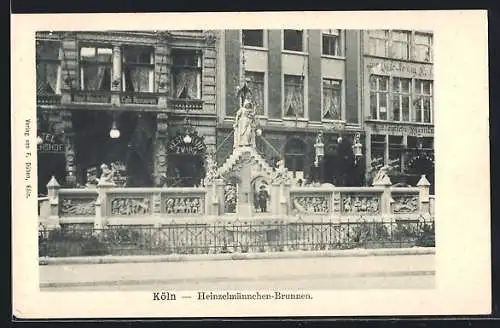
[[194, 273], [236, 256]]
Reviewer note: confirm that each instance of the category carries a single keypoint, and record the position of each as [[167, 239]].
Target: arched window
[[295, 152]]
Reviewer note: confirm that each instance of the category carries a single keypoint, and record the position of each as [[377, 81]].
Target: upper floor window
[[379, 42], [294, 95], [186, 74], [423, 45], [138, 69], [48, 67], [400, 44], [331, 42], [253, 38], [379, 97], [401, 89], [331, 99], [423, 101], [293, 40], [255, 82], [95, 67]]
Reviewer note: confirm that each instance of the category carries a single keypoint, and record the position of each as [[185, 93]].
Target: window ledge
[[325, 120], [293, 52], [333, 57], [264, 49], [291, 118]]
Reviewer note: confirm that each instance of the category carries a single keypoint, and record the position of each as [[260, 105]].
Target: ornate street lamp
[[114, 133]]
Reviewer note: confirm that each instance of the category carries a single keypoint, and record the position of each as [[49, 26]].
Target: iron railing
[[234, 237]]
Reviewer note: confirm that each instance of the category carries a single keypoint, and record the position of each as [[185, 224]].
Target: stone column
[[53, 195], [160, 155], [423, 186], [386, 200], [69, 148], [116, 80], [284, 197]]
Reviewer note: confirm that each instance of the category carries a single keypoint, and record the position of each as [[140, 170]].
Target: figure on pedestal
[[106, 175], [244, 125]]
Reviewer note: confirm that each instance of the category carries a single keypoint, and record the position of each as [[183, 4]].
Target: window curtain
[[331, 105], [294, 99], [97, 77], [256, 86], [137, 79], [186, 85], [47, 78]]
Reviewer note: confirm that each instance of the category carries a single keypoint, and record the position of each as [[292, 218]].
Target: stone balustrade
[[110, 205]]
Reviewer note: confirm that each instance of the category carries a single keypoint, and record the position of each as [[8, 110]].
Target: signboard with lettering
[[399, 68], [401, 129], [50, 143]]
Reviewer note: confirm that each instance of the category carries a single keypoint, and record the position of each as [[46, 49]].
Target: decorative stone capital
[[53, 184], [423, 182]]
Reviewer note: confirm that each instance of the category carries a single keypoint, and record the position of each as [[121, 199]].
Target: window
[[395, 152], [48, 67], [400, 44], [331, 99], [379, 42], [95, 68], [187, 74], [377, 151], [423, 101], [294, 95], [331, 40], [138, 69], [401, 99], [292, 40], [253, 38], [255, 82], [379, 97], [294, 157], [423, 44]]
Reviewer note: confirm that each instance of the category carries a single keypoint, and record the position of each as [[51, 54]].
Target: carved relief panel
[[360, 203], [77, 206], [130, 206], [314, 204], [404, 203]]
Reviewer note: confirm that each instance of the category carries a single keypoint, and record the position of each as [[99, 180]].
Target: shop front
[[408, 150]]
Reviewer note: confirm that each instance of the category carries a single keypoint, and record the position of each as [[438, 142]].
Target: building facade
[[132, 100], [302, 82], [398, 103], [154, 104]]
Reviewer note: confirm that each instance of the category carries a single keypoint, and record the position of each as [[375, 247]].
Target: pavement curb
[[237, 256], [162, 281]]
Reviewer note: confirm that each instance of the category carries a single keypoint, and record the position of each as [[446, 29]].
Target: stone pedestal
[[386, 200], [101, 209], [424, 186], [52, 219]]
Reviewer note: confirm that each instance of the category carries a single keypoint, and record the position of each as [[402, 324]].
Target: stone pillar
[[69, 148], [162, 71], [53, 195], [284, 198], [116, 80], [160, 155], [101, 204], [275, 198], [218, 200], [386, 200], [245, 204], [423, 186]]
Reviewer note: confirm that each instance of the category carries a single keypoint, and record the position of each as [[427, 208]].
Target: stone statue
[[106, 175], [244, 125], [319, 138], [381, 174], [211, 170]]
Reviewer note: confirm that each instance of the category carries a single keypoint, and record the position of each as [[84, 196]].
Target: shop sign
[[398, 67], [396, 129], [50, 143]]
